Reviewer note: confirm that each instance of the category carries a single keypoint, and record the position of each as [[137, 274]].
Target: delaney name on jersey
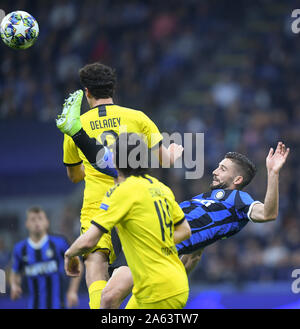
[[105, 123]]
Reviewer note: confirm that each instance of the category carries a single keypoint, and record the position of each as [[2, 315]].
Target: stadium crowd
[[227, 70]]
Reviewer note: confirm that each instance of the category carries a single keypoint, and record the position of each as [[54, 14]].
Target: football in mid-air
[[19, 30]]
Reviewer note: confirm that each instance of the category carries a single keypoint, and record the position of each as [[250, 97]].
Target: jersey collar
[[38, 245]]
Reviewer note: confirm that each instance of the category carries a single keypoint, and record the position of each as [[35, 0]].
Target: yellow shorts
[[104, 244], [175, 302]]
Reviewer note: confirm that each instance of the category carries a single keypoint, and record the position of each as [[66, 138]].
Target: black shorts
[[120, 257]]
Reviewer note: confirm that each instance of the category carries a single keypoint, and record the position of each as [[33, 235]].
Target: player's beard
[[221, 185]]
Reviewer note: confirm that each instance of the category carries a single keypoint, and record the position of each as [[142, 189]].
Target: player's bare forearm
[[76, 174], [271, 202], [274, 162], [268, 211], [85, 242], [182, 232]]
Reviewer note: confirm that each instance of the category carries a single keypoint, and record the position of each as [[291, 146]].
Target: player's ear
[[87, 93], [238, 180]]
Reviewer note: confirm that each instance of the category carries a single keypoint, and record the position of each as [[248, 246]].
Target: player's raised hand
[[275, 160], [175, 152], [72, 266]]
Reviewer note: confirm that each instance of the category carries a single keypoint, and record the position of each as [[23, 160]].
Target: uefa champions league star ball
[[19, 30]]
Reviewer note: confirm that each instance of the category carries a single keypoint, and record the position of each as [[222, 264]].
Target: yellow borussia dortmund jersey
[[145, 221], [105, 123]]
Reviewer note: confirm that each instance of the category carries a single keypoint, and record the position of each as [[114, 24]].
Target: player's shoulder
[[58, 239], [242, 196], [125, 109], [88, 114], [112, 189], [223, 195], [20, 245], [158, 185], [115, 109], [235, 198], [131, 184], [129, 113]]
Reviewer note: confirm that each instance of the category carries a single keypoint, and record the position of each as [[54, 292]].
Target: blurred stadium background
[[226, 68]]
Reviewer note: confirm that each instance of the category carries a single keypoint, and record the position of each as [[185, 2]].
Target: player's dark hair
[[99, 79], [246, 168], [35, 210], [131, 155]]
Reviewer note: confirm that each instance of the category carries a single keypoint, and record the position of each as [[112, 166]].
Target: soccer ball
[[19, 30]]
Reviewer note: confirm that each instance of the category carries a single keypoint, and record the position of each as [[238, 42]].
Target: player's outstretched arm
[[82, 245], [269, 209]]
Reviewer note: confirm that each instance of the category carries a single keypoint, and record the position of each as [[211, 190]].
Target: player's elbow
[[74, 178], [188, 233], [264, 219], [270, 218]]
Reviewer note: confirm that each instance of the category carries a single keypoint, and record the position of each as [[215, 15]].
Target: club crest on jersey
[[220, 194], [49, 253]]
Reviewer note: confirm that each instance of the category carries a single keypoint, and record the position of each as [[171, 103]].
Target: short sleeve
[[114, 207], [244, 203], [16, 260], [71, 156], [177, 214], [150, 131], [64, 244]]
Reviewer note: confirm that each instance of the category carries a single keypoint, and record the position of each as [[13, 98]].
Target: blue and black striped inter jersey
[[215, 215], [43, 266]]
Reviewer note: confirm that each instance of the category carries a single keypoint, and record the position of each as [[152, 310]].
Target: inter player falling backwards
[[103, 122], [213, 215]]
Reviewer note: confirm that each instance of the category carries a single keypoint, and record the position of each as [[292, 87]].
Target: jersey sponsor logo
[[205, 203], [156, 192], [105, 123], [110, 191], [41, 268], [104, 206], [167, 251]]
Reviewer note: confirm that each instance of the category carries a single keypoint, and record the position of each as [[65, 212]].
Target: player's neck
[[37, 237], [102, 101], [120, 178]]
